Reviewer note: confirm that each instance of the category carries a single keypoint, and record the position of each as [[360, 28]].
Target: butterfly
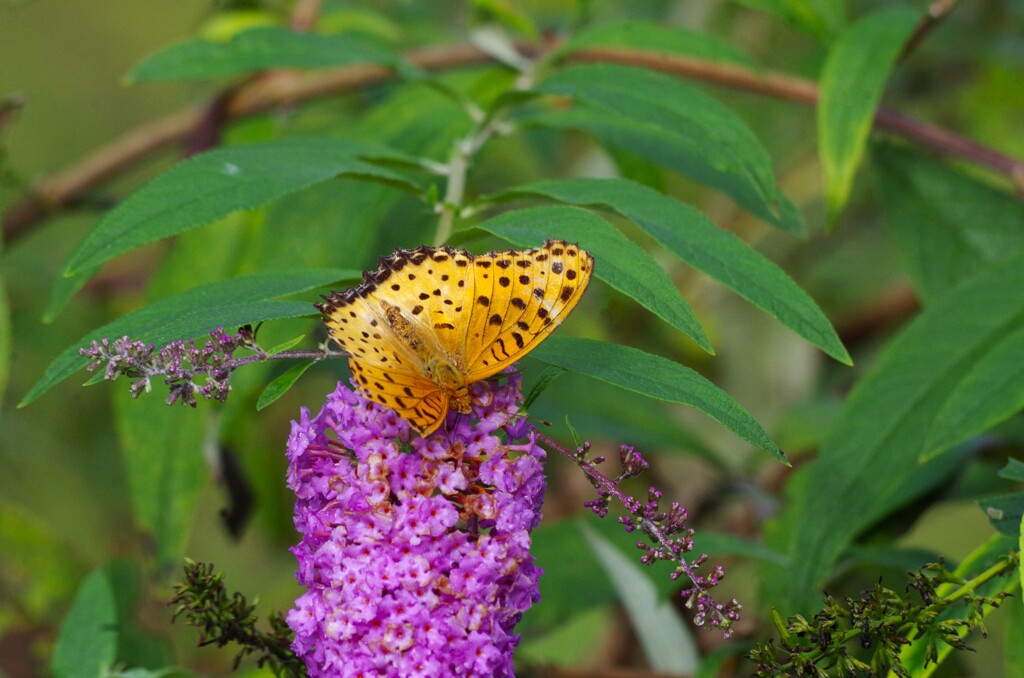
[[432, 320]]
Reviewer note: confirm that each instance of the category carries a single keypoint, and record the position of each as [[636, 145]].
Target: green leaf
[[64, 288], [547, 377], [692, 237], [348, 18], [86, 646], [719, 544], [674, 124], [819, 18], [281, 384], [667, 642], [617, 260], [949, 226], [507, 14], [164, 459], [894, 557], [212, 185], [992, 391], [1014, 470], [655, 377], [1014, 645], [1004, 512], [851, 82], [260, 48], [650, 37], [285, 345], [602, 411], [229, 303], [872, 452], [569, 584]]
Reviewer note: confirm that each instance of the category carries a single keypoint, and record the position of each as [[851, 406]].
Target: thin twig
[[791, 88], [937, 11], [465, 149], [63, 189], [655, 530], [305, 14]]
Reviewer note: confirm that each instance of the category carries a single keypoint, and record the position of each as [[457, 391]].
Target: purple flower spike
[[414, 552]]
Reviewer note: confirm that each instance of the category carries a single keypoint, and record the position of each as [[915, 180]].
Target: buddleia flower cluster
[[414, 551], [179, 364]]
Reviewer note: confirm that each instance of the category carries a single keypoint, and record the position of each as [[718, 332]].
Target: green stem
[[458, 167], [972, 585], [464, 150]]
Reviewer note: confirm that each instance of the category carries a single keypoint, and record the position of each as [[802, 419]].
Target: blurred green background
[[64, 498]]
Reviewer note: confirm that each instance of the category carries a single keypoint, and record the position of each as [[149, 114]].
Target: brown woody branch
[[803, 91], [936, 13], [65, 188]]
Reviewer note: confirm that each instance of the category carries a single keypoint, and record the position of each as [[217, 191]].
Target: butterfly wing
[[416, 399], [519, 298], [403, 318], [432, 320]]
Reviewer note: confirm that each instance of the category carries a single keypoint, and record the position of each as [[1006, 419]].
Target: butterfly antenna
[[455, 423]]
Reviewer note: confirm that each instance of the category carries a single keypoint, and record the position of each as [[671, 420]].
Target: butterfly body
[[431, 321], [443, 369]]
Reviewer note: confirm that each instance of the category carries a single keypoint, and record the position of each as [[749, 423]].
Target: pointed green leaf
[[719, 544], [617, 260], [64, 289], [164, 460], [546, 378], [229, 303], [212, 185], [851, 82], [949, 226], [257, 49], [87, 644], [651, 37], [674, 124], [667, 642], [279, 386], [1004, 512], [818, 18], [655, 377], [691, 236], [1014, 470], [604, 412], [285, 345], [872, 452], [990, 392], [894, 557]]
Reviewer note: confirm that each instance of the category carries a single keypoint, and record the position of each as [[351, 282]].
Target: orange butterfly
[[431, 321]]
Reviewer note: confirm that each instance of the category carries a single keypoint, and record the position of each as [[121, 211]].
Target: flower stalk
[[667, 529], [186, 368]]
